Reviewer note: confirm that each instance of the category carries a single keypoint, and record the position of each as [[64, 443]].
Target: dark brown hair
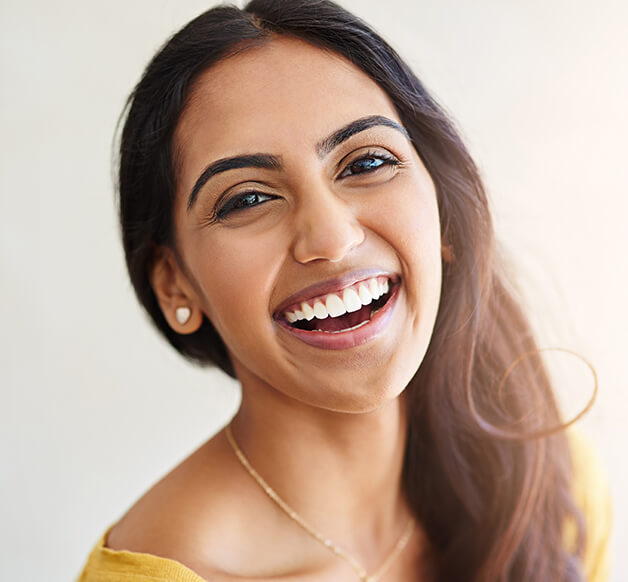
[[493, 504]]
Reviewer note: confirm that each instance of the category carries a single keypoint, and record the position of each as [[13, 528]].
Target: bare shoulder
[[191, 514], [211, 516]]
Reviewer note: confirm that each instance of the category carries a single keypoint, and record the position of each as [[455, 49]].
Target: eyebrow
[[344, 133], [265, 161], [271, 162]]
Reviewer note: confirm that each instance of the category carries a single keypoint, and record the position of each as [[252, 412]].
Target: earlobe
[[174, 294]]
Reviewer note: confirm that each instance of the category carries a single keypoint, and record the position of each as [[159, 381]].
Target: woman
[[297, 210]]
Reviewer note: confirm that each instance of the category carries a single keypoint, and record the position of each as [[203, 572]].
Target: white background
[[95, 407]]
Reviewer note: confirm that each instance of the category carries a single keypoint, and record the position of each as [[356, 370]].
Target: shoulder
[[188, 516], [206, 520], [591, 493]]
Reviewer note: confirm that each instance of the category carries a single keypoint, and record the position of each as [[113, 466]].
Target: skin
[[326, 428]]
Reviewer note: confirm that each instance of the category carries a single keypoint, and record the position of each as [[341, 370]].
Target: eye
[[368, 163], [241, 202]]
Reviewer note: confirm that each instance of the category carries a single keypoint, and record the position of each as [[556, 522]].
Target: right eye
[[241, 202]]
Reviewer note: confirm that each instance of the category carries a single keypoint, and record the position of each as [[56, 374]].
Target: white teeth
[[351, 300], [365, 296], [319, 310], [374, 289], [308, 312], [335, 306]]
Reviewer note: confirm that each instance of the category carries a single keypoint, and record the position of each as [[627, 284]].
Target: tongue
[[344, 321]]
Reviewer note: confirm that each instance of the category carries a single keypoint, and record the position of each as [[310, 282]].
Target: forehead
[[283, 94]]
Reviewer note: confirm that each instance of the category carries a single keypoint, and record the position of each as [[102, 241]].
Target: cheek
[[424, 238], [415, 228], [235, 275], [409, 219]]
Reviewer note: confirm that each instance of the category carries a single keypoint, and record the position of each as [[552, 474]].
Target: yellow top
[[590, 491]]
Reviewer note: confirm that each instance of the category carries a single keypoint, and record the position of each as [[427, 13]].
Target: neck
[[341, 472]]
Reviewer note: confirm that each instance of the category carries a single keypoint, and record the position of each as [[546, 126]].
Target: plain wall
[[95, 407]]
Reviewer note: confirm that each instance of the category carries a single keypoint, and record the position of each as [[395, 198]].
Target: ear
[[174, 293], [447, 252]]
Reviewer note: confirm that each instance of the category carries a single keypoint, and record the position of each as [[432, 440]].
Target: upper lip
[[333, 285]]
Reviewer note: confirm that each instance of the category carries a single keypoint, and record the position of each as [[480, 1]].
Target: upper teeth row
[[334, 305]]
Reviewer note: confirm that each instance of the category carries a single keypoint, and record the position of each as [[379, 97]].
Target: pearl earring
[[183, 314]]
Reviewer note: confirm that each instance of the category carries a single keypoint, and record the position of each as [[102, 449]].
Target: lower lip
[[343, 340]]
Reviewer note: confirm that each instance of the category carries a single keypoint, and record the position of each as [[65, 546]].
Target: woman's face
[[300, 198]]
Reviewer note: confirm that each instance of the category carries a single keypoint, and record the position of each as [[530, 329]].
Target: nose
[[325, 227]]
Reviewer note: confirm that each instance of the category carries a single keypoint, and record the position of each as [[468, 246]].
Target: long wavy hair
[[484, 473]]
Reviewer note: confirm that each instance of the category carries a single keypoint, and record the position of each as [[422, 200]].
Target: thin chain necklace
[[331, 546]]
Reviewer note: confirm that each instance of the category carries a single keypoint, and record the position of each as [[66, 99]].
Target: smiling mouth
[[344, 311]]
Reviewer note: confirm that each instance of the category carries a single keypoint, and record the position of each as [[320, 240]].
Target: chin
[[361, 396]]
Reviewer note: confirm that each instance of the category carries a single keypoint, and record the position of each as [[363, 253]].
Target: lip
[[333, 285], [348, 339]]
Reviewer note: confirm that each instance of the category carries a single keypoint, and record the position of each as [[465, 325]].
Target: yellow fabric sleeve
[[107, 565], [591, 493]]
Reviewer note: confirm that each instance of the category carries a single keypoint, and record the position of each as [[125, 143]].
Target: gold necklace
[[331, 546]]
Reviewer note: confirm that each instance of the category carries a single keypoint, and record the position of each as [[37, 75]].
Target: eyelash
[[233, 204], [236, 203], [386, 159]]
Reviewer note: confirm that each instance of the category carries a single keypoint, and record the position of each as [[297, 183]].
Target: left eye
[[367, 164]]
